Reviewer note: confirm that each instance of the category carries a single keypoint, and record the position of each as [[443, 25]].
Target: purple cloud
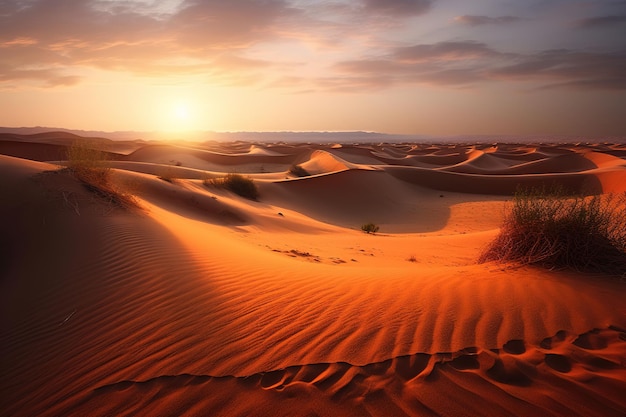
[[567, 68], [473, 20], [450, 50], [601, 22], [467, 63], [397, 7]]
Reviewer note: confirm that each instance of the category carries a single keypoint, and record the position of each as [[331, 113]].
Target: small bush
[[370, 228], [168, 174], [88, 165], [298, 171], [238, 184], [551, 229]]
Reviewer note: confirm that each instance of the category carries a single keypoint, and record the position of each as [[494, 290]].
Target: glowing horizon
[[433, 67]]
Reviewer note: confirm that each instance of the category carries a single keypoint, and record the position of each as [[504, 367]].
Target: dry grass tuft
[[238, 184], [89, 166], [550, 229], [298, 171]]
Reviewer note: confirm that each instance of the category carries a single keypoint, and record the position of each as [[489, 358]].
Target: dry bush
[[298, 171], [551, 229], [168, 175], [370, 228], [238, 184], [89, 166]]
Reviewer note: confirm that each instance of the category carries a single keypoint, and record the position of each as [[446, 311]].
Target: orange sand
[[205, 303]]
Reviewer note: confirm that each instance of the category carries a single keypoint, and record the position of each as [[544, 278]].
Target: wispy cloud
[[50, 43], [398, 7], [467, 63], [474, 20], [445, 63], [208, 36], [601, 21], [564, 68]]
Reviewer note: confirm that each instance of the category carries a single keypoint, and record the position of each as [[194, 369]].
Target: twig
[[73, 204], [67, 318]]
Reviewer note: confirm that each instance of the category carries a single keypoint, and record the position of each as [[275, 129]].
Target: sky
[[427, 67]]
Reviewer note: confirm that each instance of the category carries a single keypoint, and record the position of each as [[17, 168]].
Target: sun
[[179, 117], [181, 112]]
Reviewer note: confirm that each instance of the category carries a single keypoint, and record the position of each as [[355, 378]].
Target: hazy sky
[[399, 66]]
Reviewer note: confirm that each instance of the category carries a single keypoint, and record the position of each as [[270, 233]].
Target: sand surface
[[201, 302]]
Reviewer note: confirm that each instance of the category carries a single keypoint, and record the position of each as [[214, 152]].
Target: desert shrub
[[554, 230], [168, 174], [370, 228], [298, 171], [238, 184], [89, 166]]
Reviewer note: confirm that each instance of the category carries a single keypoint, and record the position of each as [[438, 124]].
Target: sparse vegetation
[[298, 171], [89, 166], [554, 230], [168, 174], [237, 183], [370, 228]]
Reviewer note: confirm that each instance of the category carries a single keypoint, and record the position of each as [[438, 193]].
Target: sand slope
[[201, 302]]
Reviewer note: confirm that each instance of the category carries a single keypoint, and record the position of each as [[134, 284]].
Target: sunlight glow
[[181, 112], [179, 116]]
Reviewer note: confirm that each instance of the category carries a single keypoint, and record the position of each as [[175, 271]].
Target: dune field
[[199, 302]]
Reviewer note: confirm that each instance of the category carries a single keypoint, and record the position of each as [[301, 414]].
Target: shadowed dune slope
[[353, 197], [580, 183]]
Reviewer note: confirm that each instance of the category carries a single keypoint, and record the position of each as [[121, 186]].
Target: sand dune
[[201, 302], [448, 381]]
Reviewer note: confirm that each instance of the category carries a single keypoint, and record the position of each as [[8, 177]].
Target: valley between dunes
[[201, 302]]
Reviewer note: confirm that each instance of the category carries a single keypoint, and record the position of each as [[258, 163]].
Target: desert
[[184, 298]]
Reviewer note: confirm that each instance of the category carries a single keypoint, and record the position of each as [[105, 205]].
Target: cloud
[[445, 63], [44, 41], [47, 77], [209, 37], [449, 51], [473, 20], [601, 22], [564, 68], [466, 63], [51, 42], [228, 24], [397, 7]]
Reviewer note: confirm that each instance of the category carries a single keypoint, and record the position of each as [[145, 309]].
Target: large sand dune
[[201, 302]]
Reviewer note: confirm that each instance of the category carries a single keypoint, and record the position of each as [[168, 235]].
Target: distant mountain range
[[304, 137], [355, 136]]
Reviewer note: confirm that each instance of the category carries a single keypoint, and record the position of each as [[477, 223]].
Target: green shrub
[[370, 228], [238, 184], [554, 230]]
